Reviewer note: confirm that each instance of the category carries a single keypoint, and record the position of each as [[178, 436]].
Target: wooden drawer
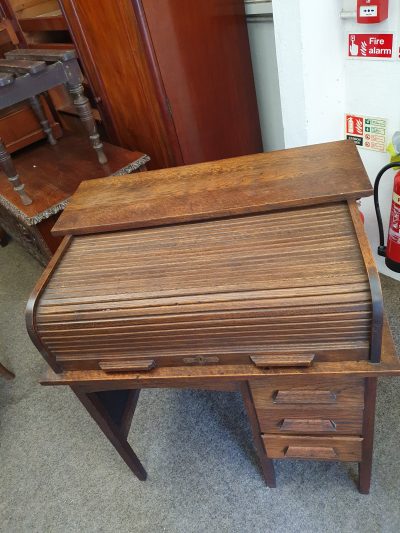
[[309, 421], [313, 448], [19, 126], [297, 392]]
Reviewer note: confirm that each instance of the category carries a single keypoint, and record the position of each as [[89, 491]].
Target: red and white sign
[[370, 45], [354, 125], [366, 132]]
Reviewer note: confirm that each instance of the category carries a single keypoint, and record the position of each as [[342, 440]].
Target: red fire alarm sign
[[370, 45]]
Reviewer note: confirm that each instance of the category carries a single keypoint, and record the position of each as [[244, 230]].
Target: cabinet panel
[[203, 53], [173, 79], [109, 44]]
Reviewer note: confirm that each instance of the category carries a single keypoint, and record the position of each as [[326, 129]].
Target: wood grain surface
[[51, 174], [374, 282], [203, 55], [295, 392], [171, 78], [19, 126], [279, 283], [314, 448], [310, 421], [248, 184], [269, 360], [109, 44], [217, 375]]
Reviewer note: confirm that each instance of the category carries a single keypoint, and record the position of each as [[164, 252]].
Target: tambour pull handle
[[310, 452], [277, 359], [307, 425], [127, 366]]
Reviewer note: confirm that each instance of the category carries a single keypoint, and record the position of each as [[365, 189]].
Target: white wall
[[260, 26], [318, 84], [371, 89], [311, 70]]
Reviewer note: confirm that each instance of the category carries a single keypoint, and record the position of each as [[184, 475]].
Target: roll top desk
[[251, 274]]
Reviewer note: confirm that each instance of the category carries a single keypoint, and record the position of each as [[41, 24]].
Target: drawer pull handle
[[127, 366], [308, 425], [304, 396], [271, 360], [310, 452]]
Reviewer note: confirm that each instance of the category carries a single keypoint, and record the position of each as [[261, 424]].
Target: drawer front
[[313, 448], [296, 392], [310, 421]]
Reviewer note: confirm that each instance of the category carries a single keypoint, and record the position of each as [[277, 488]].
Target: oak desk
[[224, 276]]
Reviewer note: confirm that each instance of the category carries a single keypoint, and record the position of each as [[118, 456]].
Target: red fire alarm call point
[[372, 11]]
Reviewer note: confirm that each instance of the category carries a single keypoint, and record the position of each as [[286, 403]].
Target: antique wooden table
[[250, 274], [24, 74]]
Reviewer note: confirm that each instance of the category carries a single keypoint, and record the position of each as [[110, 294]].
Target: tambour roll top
[[227, 291], [286, 286]]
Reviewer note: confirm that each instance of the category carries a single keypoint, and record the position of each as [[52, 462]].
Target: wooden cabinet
[[172, 78]]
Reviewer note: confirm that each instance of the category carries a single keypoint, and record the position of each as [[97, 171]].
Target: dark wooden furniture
[[24, 75], [19, 124], [184, 92], [250, 285], [36, 22], [171, 78], [20, 127], [52, 174]]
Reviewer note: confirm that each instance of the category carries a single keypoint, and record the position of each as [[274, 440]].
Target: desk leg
[[267, 465], [113, 412], [365, 467]]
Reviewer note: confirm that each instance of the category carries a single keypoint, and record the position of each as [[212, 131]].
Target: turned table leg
[[8, 167], [85, 114], [113, 412], [267, 466], [39, 112], [5, 373]]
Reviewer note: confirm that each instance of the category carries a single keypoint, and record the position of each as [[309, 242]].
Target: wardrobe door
[[113, 52], [202, 50]]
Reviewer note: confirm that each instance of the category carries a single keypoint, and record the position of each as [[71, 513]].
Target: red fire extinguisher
[[391, 251]]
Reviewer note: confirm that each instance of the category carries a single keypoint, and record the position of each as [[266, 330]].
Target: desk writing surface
[[249, 184]]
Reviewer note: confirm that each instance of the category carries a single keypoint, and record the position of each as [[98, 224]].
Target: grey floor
[[59, 474]]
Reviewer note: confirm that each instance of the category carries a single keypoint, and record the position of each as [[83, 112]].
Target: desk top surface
[[249, 184]]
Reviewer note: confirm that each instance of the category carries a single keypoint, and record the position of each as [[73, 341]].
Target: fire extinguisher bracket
[[382, 251]]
